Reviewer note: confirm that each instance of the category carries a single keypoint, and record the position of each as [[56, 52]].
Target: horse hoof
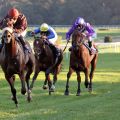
[[12, 98], [29, 99], [29, 91], [51, 90], [66, 93], [53, 87], [23, 92], [45, 87], [90, 90], [78, 94], [86, 85], [16, 105]]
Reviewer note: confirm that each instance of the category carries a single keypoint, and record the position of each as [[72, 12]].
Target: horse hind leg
[[13, 90], [27, 79], [79, 81], [93, 66], [49, 83], [86, 78], [67, 83]]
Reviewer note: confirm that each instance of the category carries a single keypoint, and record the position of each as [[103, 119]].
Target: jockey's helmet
[[81, 21], [13, 13], [44, 27]]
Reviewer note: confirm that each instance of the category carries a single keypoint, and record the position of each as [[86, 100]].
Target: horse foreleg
[[27, 78], [49, 83], [79, 81], [33, 79], [86, 77], [13, 90], [22, 78], [67, 83], [45, 86]]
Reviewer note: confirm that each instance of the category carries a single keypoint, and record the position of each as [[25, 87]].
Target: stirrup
[[92, 50], [70, 49]]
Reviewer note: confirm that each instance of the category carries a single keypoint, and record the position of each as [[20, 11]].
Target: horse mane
[[7, 29]]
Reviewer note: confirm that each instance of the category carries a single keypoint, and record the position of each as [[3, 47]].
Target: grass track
[[102, 104]]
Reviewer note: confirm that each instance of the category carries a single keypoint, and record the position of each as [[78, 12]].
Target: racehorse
[[15, 61], [44, 61], [80, 61]]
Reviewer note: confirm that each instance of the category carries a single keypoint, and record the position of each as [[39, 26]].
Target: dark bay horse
[[80, 60], [15, 61], [44, 61]]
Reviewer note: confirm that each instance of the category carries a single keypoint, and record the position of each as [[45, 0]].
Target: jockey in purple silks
[[85, 28]]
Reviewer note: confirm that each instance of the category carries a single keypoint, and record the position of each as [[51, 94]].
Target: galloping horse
[[44, 61], [80, 60], [15, 61]]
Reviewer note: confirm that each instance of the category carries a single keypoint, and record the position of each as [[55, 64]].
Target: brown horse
[[14, 61], [44, 61], [80, 60]]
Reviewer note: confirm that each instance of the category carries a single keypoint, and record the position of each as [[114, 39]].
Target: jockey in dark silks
[[18, 22], [85, 28], [51, 38]]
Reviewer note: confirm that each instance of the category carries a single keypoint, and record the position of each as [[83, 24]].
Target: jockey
[[18, 22], [51, 37], [85, 28]]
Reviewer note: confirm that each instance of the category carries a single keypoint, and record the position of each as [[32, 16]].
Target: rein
[[65, 46]]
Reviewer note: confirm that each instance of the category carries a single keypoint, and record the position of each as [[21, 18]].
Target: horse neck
[[11, 49]]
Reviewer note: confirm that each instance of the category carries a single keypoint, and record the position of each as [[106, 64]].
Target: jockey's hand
[[17, 30], [68, 39], [44, 37], [32, 33]]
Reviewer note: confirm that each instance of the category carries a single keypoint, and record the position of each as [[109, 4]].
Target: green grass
[[102, 104], [101, 33]]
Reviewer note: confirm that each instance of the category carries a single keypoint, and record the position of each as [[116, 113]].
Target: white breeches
[[21, 34], [53, 40]]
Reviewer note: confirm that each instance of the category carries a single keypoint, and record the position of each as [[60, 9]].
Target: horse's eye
[[4, 36], [8, 36]]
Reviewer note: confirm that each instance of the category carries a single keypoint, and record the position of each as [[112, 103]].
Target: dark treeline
[[64, 12]]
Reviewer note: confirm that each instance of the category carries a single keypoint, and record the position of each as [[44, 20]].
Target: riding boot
[[92, 49], [56, 51], [90, 44], [25, 47]]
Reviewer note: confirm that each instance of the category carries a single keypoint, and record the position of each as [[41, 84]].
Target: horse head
[[8, 39], [77, 39], [39, 46], [7, 35]]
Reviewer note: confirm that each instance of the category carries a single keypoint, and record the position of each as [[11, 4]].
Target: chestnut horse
[[80, 60], [15, 61], [45, 61]]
